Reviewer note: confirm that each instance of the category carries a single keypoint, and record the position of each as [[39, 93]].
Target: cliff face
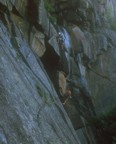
[[55, 55], [30, 110]]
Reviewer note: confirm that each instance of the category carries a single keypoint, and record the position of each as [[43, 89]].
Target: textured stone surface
[[38, 45], [30, 109]]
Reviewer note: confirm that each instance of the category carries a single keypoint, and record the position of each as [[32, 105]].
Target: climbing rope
[[103, 76]]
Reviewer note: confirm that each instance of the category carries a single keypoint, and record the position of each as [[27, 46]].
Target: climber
[[68, 95], [60, 39], [63, 61]]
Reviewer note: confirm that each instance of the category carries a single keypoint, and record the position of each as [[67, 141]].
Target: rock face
[[55, 55], [30, 110]]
